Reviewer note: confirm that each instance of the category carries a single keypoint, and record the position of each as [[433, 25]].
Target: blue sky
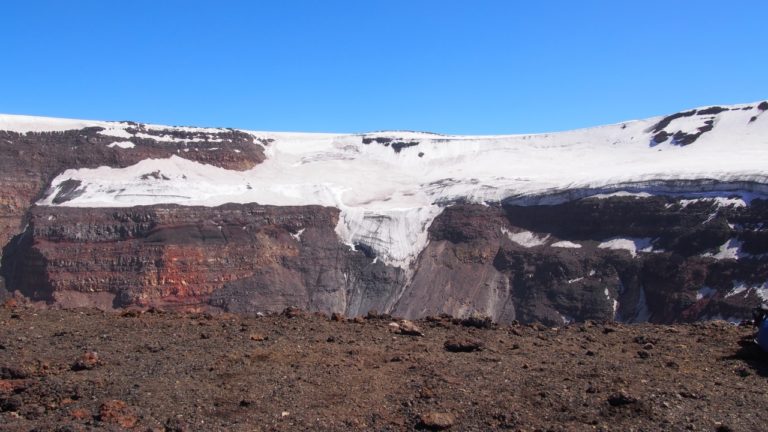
[[475, 67]]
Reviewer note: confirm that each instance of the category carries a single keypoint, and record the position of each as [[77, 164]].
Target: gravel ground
[[81, 370]]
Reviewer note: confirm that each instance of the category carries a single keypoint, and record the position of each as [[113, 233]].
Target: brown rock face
[[29, 161], [471, 264], [240, 258], [248, 258]]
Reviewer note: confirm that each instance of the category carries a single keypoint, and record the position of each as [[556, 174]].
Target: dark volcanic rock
[[457, 344], [480, 270], [28, 162], [239, 258], [245, 258]]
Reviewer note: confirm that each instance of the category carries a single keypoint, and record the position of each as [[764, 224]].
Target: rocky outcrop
[[28, 161], [629, 259], [239, 258]]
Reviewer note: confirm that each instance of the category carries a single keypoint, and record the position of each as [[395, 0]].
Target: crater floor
[[90, 370]]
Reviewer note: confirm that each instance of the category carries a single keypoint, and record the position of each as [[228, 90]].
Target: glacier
[[390, 186]]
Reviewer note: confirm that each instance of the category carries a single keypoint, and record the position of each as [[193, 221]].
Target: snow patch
[[632, 245], [397, 235], [728, 250], [122, 144], [566, 244], [24, 124], [705, 292], [297, 234], [526, 238], [614, 302], [742, 288], [566, 318], [718, 201], [738, 288], [621, 194]]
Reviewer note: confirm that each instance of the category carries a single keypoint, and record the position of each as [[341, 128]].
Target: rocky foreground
[[82, 370]]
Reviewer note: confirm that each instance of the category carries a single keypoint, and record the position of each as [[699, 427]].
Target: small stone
[[477, 321], [175, 425], [9, 372], [374, 314], [643, 354], [426, 393], [130, 313], [259, 337], [410, 329], [292, 312], [436, 421], [87, 361], [457, 344], [11, 404], [621, 398], [337, 317], [648, 346]]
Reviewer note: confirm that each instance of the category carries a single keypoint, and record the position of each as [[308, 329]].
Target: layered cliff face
[[659, 220], [33, 151], [633, 259], [240, 258]]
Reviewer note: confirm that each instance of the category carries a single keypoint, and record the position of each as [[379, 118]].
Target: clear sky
[[474, 67]]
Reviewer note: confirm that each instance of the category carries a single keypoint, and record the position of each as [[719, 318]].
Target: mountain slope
[[392, 189]]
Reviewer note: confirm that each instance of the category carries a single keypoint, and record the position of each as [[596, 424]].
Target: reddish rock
[[80, 414], [117, 412], [436, 421], [407, 327], [87, 361], [11, 386], [293, 312], [259, 337]]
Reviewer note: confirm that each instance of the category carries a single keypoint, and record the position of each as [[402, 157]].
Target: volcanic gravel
[[82, 370]]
